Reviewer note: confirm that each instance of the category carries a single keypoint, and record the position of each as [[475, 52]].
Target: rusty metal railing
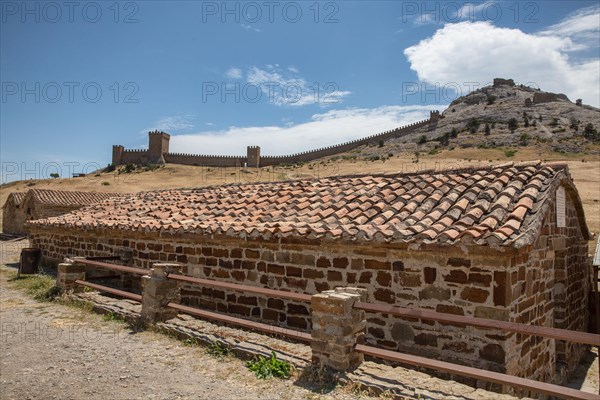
[[495, 377], [470, 372], [534, 330]]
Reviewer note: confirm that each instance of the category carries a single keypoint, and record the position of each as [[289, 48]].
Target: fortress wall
[[253, 157], [340, 148], [134, 157], [205, 160]]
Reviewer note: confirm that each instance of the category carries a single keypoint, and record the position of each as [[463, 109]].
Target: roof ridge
[[430, 171]]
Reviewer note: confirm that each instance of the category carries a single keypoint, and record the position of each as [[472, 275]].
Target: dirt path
[[52, 351]]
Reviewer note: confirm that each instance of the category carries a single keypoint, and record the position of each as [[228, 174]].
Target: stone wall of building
[[444, 279], [13, 219], [548, 285]]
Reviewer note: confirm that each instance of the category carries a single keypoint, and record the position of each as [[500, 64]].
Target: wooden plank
[[489, 376], [544, 331], [243, 288]]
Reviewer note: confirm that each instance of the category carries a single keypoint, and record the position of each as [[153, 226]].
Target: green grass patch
[[110, 316], [40, 287], [265, 368], [218, 349]]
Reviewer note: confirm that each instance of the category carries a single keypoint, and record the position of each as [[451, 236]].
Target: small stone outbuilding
[[13, 217], [506, 242], [44, 203]]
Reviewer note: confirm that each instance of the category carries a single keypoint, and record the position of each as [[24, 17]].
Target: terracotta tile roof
[[68, 198], [500, 205], [17, 198]]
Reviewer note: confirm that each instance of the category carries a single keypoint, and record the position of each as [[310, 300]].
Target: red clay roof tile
[[479, 206]]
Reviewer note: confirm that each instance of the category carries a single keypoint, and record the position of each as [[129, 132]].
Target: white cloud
[[582, 26], [292, 90], [233, 73], [171, 124], [332, 127], [479, 51]]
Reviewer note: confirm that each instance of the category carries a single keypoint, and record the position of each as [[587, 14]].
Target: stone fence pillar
[[158, 291], [68, 273], [337, 328]]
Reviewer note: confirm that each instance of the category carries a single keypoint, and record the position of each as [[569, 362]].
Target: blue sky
[[78, 79]]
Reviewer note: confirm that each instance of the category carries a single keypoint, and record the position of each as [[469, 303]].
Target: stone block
[[429, 274], [336, 328], [474, 295], [501, 314], [434, 292], [67, 274]]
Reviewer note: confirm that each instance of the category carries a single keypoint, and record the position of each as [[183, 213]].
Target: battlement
[[158, 150]]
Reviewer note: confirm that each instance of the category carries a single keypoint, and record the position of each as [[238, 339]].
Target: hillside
[[482, 119]]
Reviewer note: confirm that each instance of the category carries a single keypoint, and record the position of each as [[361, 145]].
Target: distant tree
[[578, 102], [513, 124], [574, 124], [54, 175], [422, 139], [109, 168], [453, 133], [491, 99], [554, 122], [525, 122], [381, 143], [473, 125], [524, 139], [540, 118], [487, 129], [444, 139], [591, 133]]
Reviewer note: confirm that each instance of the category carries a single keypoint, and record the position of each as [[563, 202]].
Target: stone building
[[505, 242], [43, 203], [13, 217]]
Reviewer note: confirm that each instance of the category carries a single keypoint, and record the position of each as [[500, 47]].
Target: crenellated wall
[[159, 142]]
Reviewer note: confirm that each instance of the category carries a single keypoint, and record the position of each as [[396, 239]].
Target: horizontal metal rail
[[113, 267], [242, 288], [205, 282], [543, 331], [100, 258], [503, 379], [270, 329], [102, 288]]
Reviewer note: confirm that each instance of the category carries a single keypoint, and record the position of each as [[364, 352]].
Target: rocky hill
[[506, 115]]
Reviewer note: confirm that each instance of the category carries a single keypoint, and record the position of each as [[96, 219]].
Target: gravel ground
[[52, 351]]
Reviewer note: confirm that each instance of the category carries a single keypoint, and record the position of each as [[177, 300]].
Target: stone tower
[[253, 155], [158, 144], [117, 154]]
